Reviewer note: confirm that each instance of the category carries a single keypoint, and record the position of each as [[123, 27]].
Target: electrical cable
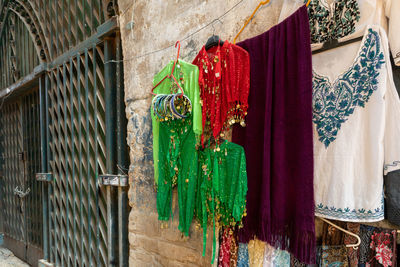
[[184, 39]]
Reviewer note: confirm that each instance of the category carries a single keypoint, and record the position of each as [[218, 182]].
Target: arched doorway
[[62, 120]]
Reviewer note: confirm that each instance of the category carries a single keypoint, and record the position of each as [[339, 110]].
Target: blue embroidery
[[333, 104], [351, 214]]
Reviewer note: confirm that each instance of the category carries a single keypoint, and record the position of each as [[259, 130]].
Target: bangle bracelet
[[167, 110], [157, 107], [186, 108], [154, 101], [160, 106]]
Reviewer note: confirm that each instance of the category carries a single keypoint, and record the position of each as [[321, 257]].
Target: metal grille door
[[77, 132], [77, 146], [71, 132], [12, 170], [20, 161]]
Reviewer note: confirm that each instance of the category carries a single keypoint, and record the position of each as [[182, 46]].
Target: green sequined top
[[174, 147], [222, 187], [190, 85]]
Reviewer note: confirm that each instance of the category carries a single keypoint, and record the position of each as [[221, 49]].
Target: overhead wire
[[182, 40]]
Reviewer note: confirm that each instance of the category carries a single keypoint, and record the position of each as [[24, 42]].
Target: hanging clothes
[[275, 257], [352, 253], [382, 249], [334, 256], [355, 113], [365, 236], [228, 256], [224, 86], [269, 256], [243, 255], [278, 139], [256, 253], [225, 249], [234, 250], [222, 187], [332, 236], [327, 21], [281, 258], [348, 19], [174, 148], [190, 76]]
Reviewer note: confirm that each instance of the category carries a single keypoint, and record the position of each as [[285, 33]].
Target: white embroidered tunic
[[356, 111], [348, 24]]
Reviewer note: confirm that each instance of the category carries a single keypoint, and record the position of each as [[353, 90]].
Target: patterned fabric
[[281, 258], [327, 23], [382, 248], [361, 100], [225, 249], [385, 13], [334, 103], [256, 253], [365, 235], [296, 263], [334, 256], [234, 250], [243, 255], [352, 253]]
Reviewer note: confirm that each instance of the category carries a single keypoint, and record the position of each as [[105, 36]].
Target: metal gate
[[71, 131], [20, 160]]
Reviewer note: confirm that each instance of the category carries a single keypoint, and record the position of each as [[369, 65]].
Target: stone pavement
[[8, 259]]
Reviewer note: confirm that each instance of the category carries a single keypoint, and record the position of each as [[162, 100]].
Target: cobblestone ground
[[8, 259]]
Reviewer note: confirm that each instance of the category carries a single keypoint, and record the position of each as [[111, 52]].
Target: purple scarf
[[278, 139]]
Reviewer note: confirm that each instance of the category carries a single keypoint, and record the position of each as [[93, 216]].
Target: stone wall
[[159, 24]]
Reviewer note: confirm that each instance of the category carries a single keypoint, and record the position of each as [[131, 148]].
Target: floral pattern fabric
[[382, 248], [328, 23], [334, 103]]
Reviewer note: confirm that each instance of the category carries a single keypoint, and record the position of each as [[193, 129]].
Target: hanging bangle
[[167, 108], [185, 100], [157, 109]]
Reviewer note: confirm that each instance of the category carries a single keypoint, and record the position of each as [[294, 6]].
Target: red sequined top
[[224, 86]]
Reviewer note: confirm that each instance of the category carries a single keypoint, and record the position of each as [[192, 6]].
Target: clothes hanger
[[171, 75], [354, 246], [262, 3], [214, 40], [335, 44]]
